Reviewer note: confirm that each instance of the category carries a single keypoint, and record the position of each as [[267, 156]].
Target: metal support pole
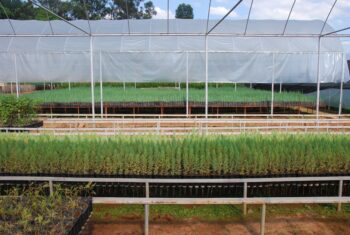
[[340, 194], [273, 83], [101, 86], [124, 86], [68, 85], [245, 193], [250, 85], [167, 27], [51, 86], [51, 187], [206, 77], [16, 77], [318, 78], [342, 85], [235, 86], [263, 215], [280, 86], [92, 79], [187, 94], [147, 210], [11, 86]]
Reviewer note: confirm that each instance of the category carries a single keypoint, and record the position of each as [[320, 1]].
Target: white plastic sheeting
[[131, 58]]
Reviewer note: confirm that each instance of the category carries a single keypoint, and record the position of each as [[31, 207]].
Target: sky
[[266, 9]]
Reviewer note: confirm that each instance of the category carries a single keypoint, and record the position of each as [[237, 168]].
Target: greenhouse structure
[[172, 51]]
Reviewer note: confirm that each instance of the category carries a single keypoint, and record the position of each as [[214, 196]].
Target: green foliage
[[32, 212], [16, 111], [184, 11], [76, 9], [151, 93], [217, 156]]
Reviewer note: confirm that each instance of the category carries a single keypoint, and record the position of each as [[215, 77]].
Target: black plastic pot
[[81, 220], [34, 124]]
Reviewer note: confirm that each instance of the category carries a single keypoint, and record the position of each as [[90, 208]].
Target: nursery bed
[[205, 157]]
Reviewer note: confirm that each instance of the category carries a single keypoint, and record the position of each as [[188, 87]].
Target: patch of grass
[[215, 212]]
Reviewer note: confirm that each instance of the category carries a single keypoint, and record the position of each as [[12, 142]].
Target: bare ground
[[286, 225]]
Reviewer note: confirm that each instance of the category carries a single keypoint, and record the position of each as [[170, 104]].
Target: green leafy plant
[[32, 211], [16, 111]]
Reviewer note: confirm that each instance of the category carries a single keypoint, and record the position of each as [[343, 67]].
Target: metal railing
[[192, 116], [178, 127], [147, 200]]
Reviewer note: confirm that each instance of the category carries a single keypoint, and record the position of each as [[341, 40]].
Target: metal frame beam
[[223, 18], [342, 85], [318, 78], [92, 79], [338, 31], [329, 13], [61, 18], [248, 18], [330, 35], [208, 17], [289, 15], [167, 17]]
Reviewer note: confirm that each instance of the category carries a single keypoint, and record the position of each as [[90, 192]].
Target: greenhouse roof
[[184, 35], [163, 27]]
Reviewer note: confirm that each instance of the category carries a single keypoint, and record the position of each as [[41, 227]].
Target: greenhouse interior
[[175, 66]]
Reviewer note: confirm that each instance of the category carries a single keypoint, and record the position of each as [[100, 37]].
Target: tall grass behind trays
[[208, 156]]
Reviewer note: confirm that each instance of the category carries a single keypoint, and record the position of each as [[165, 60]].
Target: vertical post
[[51, 86], [101, 86], [273, 83], [147, 211], [245, 193], [235, 86], [251, 86], [92, 79], [68, 85], [263, 215], [340, 194], [16, 77], [11, 86], [341, 85], [51, 187], [124, 86], [187, 106], [206, 77], [280, 86], [44, 86], [167, 27], [318, 78]]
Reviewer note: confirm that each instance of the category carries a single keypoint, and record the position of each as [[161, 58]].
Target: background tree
[[184, 11], [16, 9], [75, 9], [96, 9], [121, 9]]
